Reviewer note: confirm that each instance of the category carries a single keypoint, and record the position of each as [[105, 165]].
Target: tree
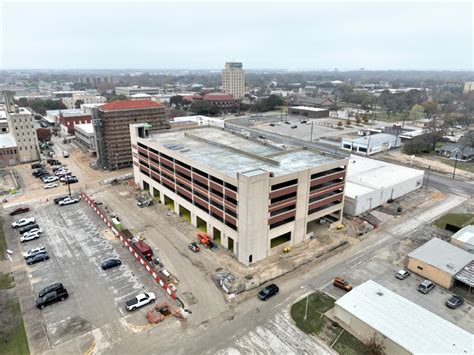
[[78, 103], [416, 112], [176, 100], [204, 108], [374, 347], [116, 98], [431, 108], [417, 145]]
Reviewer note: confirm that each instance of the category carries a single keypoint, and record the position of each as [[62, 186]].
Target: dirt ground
[[425, 162]]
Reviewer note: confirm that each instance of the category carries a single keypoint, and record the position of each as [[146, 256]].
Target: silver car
[[426, 286], [402, 274]]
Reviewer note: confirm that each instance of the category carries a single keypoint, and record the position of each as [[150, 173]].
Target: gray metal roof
[[374, 139], [456, 147], [409, 325], [442, 255], [466, 275], [465, 235]]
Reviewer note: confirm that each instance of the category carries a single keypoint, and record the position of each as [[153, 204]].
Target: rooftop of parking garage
[[233, 154]]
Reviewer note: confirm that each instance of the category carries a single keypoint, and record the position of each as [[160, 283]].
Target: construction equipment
[[203, 238], [162, 311]]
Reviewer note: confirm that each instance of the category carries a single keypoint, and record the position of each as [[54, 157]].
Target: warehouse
[[371, 183], [252, 198], [371, 144], [308, 112], [401, 326], [464, 238], [438, 261]]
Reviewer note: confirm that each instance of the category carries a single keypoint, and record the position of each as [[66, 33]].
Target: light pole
[[455, 164], [312, 127]]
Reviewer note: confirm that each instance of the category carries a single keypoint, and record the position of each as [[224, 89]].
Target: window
[[231, 187], [217, 181], [283, 210], [280, 240], [346, 146], [200, 172], [284, 197], [200, 184], [284, 184], [419, 267], [280, 223], [362, 149]]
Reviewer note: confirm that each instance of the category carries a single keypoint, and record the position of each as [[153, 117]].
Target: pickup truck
[[140, 300], [23, 222], [68, 201], [19, 210]]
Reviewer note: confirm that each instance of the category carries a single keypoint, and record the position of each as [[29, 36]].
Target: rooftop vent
[[380, 293]]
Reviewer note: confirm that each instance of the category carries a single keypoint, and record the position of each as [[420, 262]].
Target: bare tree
[[375, 347]]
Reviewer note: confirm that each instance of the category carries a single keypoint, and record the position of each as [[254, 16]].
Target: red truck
[[145, 249]]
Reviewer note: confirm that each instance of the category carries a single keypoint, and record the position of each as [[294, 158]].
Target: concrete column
[[302, 195]]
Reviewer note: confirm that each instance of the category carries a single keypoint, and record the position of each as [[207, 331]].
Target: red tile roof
[[128, 104], [218, 96]]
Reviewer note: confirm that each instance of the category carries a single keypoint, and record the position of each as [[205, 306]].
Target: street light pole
[[455, 164]]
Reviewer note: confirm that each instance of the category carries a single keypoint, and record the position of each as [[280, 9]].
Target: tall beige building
[[22, 128], [468, 87], [233, 80]]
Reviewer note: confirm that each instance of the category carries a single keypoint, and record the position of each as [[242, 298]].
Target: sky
[[267, 35]]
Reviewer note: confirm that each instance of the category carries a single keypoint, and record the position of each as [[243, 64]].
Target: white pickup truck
[[140, 300], [23, 222]]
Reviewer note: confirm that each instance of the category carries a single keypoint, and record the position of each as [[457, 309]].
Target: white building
[[468, 86], [233, 80], [87, 108], [371, 144], [464, 238], [21, 126], [401, 326], [85, 136], [371, 183], [86, 98], [52, 116], [132, 90]]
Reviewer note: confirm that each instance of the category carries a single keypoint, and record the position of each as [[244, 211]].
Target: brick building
[[67, 121], [111, 125], [253, 199]]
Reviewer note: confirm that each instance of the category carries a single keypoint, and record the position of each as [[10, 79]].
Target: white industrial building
[[371, 144], [85, 136], [401, 326], [371, 183], [464, 238]]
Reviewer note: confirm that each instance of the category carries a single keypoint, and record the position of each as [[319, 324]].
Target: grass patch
[[3, 243], [6, 281], [461, 165], [318, 324], [16, 342], [456, 219]]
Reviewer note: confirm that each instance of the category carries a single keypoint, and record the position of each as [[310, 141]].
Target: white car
[[23, 222], [140, 300], [32, 252], [27, 238], [50, 179], [65, 154], [63, 172], [33, 231], [50, 185], [68, 201]]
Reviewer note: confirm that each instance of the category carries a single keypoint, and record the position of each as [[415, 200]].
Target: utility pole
[[312, 127], [455, 164], [428, 177]]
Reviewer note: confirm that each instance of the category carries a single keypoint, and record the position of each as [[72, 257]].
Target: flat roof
[[7, 141], [365, 175], [231, 154], [442, 255], [87, 128], [411, 326], [373, 139], [65, 112], [309, 108], [465, 235]]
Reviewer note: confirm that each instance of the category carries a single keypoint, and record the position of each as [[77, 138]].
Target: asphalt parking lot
[[382, 267], [77, 245]]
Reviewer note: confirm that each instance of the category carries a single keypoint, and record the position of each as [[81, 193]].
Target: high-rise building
[[254, 199], [233, 80], [22, 128], [111, 124], [468, 87]]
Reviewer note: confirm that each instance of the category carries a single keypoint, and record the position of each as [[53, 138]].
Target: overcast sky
[[264, 35]]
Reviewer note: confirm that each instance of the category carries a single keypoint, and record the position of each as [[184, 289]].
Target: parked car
[[34, 251], [294, 126], [57, 286], [42, 175], [68, 201], [58, 199], [140, 300], [36, 165], [110, 263], [36, 173], [50, 179], [62, 172], [426, 286], [27, 228], [50, 185], [29, 237], [37, 258], [194, 247], [65, 154], [402, 274], [454, 302], [56, 168], [19, 210], [267, 292], [341, 283], [34, 231], [51, 297], [23, 222], [144, 202], [71, 180]]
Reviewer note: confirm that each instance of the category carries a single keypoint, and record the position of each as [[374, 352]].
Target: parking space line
[[91, 348]]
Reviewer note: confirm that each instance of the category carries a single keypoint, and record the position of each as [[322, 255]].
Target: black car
[[28, 228], [51, 297], [37, 258], [454, 302], [71, 180], [36, 165], [37, 173], [267, 292], [19, 210], [51, 288], [59, 199], [110, 263]]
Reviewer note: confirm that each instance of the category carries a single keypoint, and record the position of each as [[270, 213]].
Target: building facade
[[8, 150], [82, 98], [67, 121], [253, 199], [133, 90], [371, 144], [468, 87], [308, 112], [85, 136], [21, 126], [233, 80], [111, 125]]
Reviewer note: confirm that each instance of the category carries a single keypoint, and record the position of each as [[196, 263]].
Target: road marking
[[91, 348]]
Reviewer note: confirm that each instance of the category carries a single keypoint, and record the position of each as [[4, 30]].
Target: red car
[[19, 210]]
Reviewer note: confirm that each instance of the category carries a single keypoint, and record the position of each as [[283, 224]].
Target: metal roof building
[[402, 326], [464, 238]]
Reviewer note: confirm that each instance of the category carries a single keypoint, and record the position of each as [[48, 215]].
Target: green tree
[[431, 108], [78, 103], [417, 145], [416, 112]]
